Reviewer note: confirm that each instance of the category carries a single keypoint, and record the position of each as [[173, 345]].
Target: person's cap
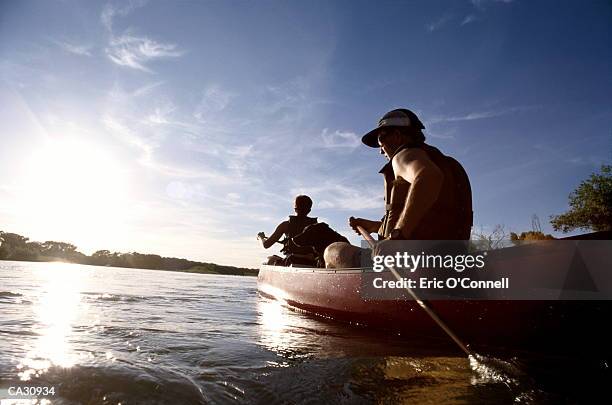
[[395, 118]]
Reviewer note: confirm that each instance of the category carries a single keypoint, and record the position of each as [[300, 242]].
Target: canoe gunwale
[[290, 269]]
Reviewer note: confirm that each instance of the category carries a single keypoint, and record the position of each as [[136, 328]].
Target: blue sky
[[184, 128]]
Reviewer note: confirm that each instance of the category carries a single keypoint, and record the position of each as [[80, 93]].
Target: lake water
[[129, 336]]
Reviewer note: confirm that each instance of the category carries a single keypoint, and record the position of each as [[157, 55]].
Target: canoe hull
[[548, 325]]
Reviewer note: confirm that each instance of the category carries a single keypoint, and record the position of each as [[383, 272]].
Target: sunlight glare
[[58, 307], [74, 189]]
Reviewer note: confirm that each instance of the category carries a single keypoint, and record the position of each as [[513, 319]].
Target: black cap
[[398, 118]]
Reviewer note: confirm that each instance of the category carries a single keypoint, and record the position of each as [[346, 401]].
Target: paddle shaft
[[432, 314]]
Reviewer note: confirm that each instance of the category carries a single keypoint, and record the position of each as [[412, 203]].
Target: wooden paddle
[[432, 314]]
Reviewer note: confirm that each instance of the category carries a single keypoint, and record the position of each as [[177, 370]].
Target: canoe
[[541, 324]]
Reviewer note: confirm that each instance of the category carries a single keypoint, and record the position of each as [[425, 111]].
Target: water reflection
[[57, 305], [371, 373], [274, 321], [291, 335]]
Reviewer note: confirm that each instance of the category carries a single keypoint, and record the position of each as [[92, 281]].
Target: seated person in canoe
[[292, 227], [427, 194]]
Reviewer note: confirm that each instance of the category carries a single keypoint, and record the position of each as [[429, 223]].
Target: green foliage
[[17, 247], [590, 205], [211, 268], [530, 235]]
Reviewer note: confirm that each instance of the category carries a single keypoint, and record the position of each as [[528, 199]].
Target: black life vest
[[296, 227]]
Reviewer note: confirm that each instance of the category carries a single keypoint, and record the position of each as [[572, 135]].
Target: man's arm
[[369, 225], [280, 230], [425, 179]]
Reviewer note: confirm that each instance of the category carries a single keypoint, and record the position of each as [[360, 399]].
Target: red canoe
[[525, 324]]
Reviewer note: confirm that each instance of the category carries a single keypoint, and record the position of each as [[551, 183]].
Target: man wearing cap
[[427, 194]]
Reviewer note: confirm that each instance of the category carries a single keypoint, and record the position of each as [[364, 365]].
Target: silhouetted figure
[[427, 194], [291, 228], [319, 236]]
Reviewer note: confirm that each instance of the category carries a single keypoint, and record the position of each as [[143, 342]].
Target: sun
[[73, 189]]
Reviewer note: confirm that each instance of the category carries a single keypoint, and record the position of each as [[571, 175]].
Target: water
[[108, 336]]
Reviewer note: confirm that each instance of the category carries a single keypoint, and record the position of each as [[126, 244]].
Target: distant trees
[[62, 250], [139, 260], [495, 239], [529, 235], [535, 233], [590, 205], [16, 247]]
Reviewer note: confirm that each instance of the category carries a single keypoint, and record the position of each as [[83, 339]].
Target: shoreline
[[246, 272]]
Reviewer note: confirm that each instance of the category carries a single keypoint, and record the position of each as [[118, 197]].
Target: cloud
[[241, 151], [332, 194], [479, 9], [340, 139], [134, 52], [82, 50], [214, 100], [147, 146], [110, 11], [289, 104], [469, 19], [160, 116], [129, 137], [482, 114], [146, 89], [441, 135], [439, 23]]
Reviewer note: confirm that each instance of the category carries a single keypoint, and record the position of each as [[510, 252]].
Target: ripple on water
[[115, 297], [12, 297], [10, 294], [123, 383]]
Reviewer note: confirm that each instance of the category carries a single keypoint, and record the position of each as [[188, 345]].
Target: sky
[[185, 128]]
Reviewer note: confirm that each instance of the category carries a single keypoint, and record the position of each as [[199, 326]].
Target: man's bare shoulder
[[408, 155]]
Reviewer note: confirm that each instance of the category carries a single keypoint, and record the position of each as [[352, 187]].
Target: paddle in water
[[487, 371]]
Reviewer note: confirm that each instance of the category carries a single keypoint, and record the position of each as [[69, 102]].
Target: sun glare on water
[[73, 190], [57, 306]]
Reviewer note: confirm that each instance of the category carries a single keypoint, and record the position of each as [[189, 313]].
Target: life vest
[[449, 218], [296, 227]]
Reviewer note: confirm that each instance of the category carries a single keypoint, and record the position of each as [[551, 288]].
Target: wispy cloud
[[441, 134], [482, 114], [594, 161], [332, 194], [146, 145], [135, 52], [82, 50], [126, 135], [340, 139], [146, 89], [160, 115], [214, 100], [439, 23], [470, 18], [110, 11], [569, 152]]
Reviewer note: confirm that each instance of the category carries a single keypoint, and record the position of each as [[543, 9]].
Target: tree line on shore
[[17, 247]]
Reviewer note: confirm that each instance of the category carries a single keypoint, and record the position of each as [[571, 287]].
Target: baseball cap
[[397, 118]]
